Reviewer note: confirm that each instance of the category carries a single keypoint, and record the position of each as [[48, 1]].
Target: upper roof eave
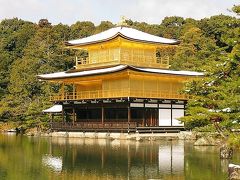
[[126, 33], [117, 35]]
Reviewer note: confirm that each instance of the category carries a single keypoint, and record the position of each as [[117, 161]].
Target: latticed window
[[114, 54], [162, 57], [149, 55], [94, 57], [126, 54], [138, 55]]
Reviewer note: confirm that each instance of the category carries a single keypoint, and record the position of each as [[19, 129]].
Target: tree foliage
[[217, 96]]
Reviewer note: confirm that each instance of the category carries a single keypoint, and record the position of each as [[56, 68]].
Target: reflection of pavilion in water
[[121, 159], [171, 158]]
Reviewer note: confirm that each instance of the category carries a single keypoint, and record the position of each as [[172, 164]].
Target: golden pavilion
[[124, 84]]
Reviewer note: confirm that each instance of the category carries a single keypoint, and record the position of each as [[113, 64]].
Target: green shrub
[[234, 141], [207, 128]]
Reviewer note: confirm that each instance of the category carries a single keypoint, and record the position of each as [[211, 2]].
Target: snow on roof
[[65, 74], [54, 109], [163, 71], [126, 32]]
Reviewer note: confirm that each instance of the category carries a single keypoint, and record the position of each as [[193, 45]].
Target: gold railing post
[[76, 61]]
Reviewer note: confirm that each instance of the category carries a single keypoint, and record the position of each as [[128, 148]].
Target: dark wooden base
[[160, 129]]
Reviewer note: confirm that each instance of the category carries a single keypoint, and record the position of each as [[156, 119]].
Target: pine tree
[[216, 97]]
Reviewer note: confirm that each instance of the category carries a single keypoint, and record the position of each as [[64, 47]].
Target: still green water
[[33, 158]]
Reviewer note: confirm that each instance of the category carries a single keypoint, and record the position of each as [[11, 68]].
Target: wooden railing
[[117, 93]]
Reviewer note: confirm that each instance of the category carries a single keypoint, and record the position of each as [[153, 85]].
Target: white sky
[[150, 11]]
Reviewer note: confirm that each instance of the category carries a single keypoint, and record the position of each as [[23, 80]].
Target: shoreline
[[183, 135], [10, 128], [114, 135]]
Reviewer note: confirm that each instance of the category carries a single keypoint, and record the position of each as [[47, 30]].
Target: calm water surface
[[33, 158]]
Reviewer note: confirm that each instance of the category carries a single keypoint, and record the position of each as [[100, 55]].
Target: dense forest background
[[211, 45]]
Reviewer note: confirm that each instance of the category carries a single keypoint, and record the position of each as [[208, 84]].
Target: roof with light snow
[[125, 32], [67, 74], [57, 108]]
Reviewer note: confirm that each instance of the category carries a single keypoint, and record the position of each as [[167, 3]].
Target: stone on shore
[[138, 138], [226, 152], [205, 141], [76, 135], [233, 171], [187, 135]]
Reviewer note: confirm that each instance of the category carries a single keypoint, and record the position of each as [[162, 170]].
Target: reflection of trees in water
[[203, 162], [121, 158], [20, 157]]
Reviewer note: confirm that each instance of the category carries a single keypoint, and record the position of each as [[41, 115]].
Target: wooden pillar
[[74, 116], [129, 115], [144, 117], [154, 117], [62, 114], [87, 109], [151, 117], [103, 115]]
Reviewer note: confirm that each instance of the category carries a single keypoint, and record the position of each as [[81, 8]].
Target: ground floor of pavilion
[[121, 115]]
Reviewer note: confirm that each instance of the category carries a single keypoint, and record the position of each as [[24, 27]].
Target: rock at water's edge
[[226, 152], [138, 138], [205, 141], [233, 172], [187, 135]]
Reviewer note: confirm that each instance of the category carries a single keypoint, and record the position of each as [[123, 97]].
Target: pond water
[[33, 158]]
